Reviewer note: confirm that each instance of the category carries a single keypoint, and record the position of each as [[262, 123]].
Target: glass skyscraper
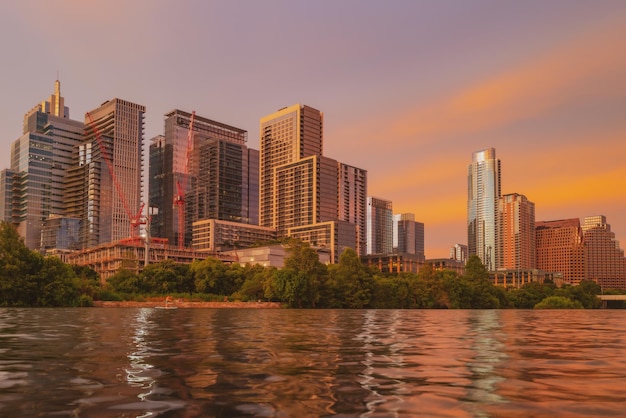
[[214, 176], [379, 226], [483, 193], [33, 189], [113, 141]]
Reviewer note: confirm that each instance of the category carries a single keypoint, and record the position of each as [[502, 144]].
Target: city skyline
[[409, 89]]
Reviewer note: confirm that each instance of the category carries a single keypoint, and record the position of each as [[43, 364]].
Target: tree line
[[29, 279]]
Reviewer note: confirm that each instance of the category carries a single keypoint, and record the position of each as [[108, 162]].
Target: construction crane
[[181, 185], [135, 219]]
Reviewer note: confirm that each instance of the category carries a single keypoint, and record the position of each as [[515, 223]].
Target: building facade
[[458, 252], [111, 161], [209, 168], [483, 193], [379, 226], [559, 249], [287, 136], [517, 233], [352, 202], [408, 235], [306, 193], [334, 236], [213, 235], [33, 188], [604, 259]]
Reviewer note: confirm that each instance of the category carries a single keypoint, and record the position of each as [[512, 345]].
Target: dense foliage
[[28, 279]]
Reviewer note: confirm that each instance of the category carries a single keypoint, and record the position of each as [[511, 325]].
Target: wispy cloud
[[588, 67]]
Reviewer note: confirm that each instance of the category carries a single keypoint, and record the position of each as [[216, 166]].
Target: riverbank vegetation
[[29, 279]]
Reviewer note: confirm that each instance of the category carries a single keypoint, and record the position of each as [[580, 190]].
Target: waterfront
[[140, 362]]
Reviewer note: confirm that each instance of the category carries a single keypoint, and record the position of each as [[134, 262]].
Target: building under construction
[[130, 254]]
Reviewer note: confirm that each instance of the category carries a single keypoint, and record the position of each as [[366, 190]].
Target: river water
[[142, 362]]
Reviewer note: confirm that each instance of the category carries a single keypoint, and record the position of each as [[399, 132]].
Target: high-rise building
[[517, 233], [213, 173], [458, 252], [559, 248], [483, 192], [379, 226], [306, 193], [250, 214], [408, 235], [7, 185], [33, 188], [352, 200], [604, 259], [111, 157], [287, 136]]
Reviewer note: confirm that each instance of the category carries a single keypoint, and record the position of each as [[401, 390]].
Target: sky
[[409, 89]]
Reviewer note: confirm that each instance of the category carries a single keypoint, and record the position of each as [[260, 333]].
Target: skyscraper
[[517, 233], [483, 192], [112, 159], [458, 252], [559, 248], [33, 188], [213, 175], [352, 201], [379, 226], [604, 259], [408, 235], [287, 136]]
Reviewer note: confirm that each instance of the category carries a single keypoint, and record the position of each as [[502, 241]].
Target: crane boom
[[135, 219]]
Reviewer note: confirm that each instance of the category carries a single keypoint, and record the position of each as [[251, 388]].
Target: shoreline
[[185, 304]]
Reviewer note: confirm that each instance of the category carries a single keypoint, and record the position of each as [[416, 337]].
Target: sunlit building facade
[[33, 188], [306, 193], [559, 248], [517, 233], [211, 235], [408, 235], [604, 259], [287, 136], [352, 201], [458, 252], [482, 206], [334, 236], [112, 159], [379, 226]]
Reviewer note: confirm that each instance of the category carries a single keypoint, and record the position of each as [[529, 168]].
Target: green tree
[[530, 294], [19, 268], [558, 302], [210, 276], [257, 279], [585, 292], [475, 269], [349, 284], [392, 292], [58, 284], [298, 282], [127, 282], [160, 278]]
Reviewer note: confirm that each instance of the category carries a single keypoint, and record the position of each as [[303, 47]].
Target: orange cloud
[[592, 65]]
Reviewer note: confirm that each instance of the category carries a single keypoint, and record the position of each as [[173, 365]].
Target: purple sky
[[409, 89]]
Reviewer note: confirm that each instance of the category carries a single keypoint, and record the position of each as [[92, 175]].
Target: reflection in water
[[285, 363]]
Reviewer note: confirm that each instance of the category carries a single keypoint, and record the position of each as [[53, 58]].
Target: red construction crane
[[135, 219], [181, 185]]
